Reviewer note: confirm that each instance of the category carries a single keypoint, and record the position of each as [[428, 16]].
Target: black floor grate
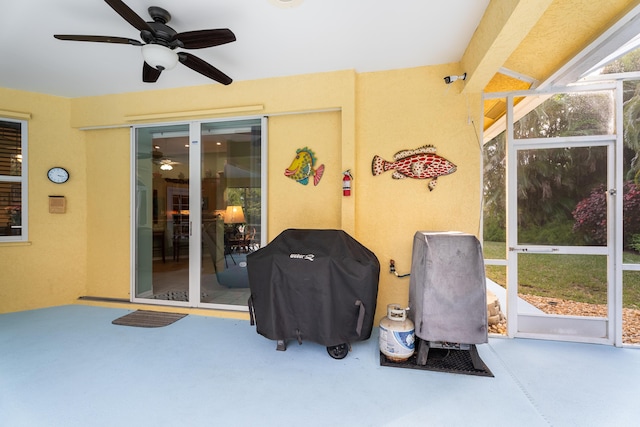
[[442, 360]]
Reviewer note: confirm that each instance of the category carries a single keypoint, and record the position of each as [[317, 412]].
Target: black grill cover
[[317, 285]]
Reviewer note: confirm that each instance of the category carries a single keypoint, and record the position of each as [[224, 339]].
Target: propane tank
[[397, 334]]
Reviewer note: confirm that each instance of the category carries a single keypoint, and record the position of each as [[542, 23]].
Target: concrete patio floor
[[69, 366]]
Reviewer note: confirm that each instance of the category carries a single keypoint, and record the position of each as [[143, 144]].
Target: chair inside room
[[252, 241], [180, 235]]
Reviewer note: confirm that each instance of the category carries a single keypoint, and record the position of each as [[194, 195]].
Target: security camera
[[451, 79]]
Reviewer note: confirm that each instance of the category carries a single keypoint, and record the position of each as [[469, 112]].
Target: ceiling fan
[[159, 159], [160, 42]]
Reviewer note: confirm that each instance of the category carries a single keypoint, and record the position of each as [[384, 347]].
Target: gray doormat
[[442, 360], [148, 319]]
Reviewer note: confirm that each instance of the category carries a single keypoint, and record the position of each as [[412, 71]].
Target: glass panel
[[162, 212], [494, 231], [497, 273], [10, 191], [497, 298], [569, 114], [631, 217], [10, 148], [10, 209], [631, 201], [231, 208], [494, 196], [562, 196], [631, 303], [572, 285], [623, 62]]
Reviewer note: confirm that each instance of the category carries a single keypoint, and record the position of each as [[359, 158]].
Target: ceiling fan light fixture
[[166, 167], [159, 57]]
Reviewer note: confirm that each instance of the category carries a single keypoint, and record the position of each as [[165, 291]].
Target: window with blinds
[[11, 179]]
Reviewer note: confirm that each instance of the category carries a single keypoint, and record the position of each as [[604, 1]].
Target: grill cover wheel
[[338, 351]]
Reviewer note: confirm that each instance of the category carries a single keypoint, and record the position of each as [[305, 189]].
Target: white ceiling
[[316, 36]]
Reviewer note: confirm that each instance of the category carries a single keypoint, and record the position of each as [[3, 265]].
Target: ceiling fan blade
[[129, 15], [204, 68], [150, 74], [100, 39], [205, 38]]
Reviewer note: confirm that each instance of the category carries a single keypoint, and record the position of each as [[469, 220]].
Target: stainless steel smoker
[[447, 293]]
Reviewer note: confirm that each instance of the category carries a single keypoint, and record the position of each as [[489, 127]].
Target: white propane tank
[[397, 334]]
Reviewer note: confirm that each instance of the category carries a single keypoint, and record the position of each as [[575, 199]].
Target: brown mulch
[[630, 317]]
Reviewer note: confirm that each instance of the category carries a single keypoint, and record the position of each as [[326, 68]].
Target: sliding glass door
[[198, 211], [231, 208]]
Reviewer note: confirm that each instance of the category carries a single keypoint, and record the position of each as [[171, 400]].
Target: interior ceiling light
[[286, 3], [159, 57], [166, 167]]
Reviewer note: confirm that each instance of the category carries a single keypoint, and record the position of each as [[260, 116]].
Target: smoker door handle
[[360, 317]]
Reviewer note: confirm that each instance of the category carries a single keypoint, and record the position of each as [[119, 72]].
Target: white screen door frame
[[604, 330]]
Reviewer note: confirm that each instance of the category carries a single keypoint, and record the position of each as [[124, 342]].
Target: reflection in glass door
[[198, 211], [162, 213], [231, 208]]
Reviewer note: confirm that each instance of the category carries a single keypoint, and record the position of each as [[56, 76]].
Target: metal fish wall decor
[[420, 163], [303, 166]]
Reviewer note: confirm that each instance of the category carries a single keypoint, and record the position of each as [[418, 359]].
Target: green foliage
[[591, 215], [634, 242], [631, 117], [494, 229], [561, 190], [551, 182], [631, 111], [580, 278], [494, 250], [626, 63], [567, 114], [559, 232], [250, 200]]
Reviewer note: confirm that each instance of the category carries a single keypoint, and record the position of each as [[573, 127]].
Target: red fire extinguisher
[[346, 182]]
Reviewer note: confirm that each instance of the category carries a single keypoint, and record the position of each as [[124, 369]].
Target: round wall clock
[[58, 175]]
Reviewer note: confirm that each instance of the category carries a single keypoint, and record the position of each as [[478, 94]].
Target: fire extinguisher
[[346, 182]]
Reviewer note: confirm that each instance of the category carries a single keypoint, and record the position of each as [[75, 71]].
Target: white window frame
[[22, 179]]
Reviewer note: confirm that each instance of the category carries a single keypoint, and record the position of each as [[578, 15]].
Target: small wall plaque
[[57, 204]]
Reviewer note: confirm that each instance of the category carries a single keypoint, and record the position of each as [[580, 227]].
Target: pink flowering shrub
[[590, 215]]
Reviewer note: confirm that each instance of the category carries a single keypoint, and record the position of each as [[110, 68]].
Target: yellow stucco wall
[[347, 118], [406, 109], [51, 268], [291, 204], [567, 26], [108, 212]]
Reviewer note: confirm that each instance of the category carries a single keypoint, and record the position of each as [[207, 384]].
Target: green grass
[[579, 278]]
